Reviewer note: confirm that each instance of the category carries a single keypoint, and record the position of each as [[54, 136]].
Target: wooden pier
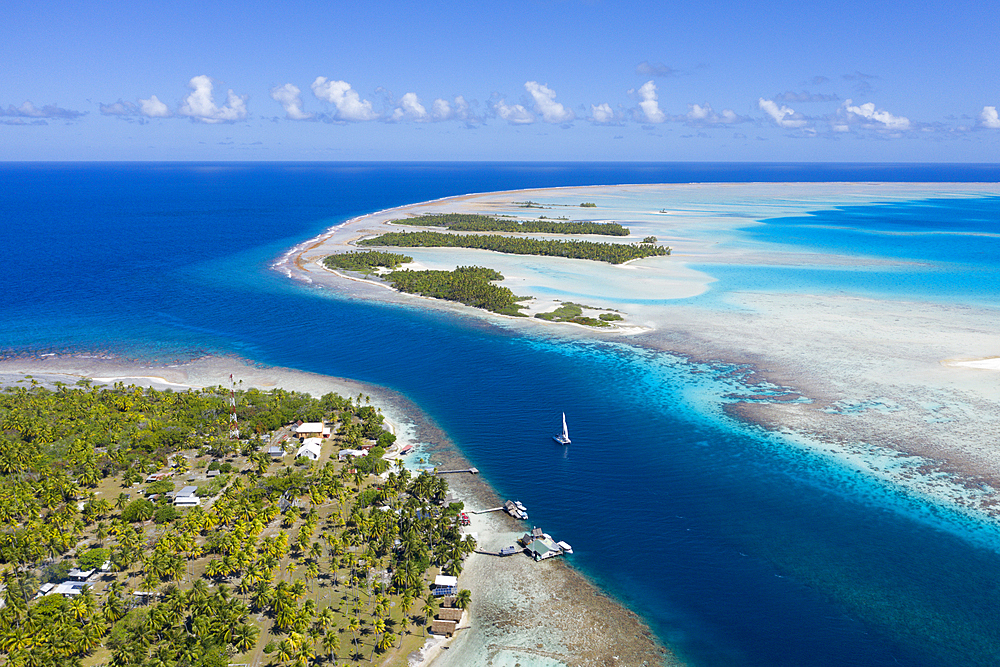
[[503, 553], [473, 471]]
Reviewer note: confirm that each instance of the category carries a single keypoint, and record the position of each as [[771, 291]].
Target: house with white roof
[[310, 449], [187, 497], [312, 430]]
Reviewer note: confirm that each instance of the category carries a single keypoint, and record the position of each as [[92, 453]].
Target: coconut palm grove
[[282, 560]]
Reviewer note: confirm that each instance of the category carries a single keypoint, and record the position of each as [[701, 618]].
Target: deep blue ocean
[[735, 550]]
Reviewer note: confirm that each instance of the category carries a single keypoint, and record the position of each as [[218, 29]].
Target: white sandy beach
[[935, 364]]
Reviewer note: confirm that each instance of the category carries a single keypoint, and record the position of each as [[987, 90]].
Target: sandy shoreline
[[508, 623]]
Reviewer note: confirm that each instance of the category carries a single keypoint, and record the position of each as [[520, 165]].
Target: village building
[[187, 497], [446, 628], [540, 545], [310, 449], [445, 585], [450, 614], [312, 430]]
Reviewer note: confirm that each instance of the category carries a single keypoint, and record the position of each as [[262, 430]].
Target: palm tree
[[463, 598], [245, 637], [354, 625], [286, 651], [379, 627], [428, 611], [386, 642], [331, 644]]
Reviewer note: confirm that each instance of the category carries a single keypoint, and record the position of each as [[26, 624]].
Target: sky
[[523, 80]]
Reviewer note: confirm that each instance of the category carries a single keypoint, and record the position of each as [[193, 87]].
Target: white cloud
[[875, 119], [29, 110], [705, 115], [349, 105], [603, 114], [153, 108], [781, 115], [441, 110], [290, 97], [514, 114], [461, 110], [119, 108], [546, 105], [646, 68], [410, 108], [200, 105], [988, 118], [648, 104]]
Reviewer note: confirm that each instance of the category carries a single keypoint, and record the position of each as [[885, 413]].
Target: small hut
[[442, 627], [450, 614]]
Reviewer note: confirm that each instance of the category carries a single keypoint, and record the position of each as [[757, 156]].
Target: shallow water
[[736, 549]]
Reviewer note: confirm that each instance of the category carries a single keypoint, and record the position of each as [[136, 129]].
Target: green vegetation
[[365, 261], [649, 239], [573, 312], [156, 488], [470, 285], [93, 558], [588, 204], [306, 560], [614, 253], [466, 222], [610, 317]]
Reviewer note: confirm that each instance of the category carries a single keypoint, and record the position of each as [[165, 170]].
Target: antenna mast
[[234, 424]]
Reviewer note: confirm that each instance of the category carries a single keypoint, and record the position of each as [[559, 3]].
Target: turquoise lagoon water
[[948, 250], [736, 549]]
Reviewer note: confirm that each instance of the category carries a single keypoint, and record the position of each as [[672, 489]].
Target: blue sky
[[533, 80]]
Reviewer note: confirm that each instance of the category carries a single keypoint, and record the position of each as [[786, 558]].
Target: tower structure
[[234, 423]]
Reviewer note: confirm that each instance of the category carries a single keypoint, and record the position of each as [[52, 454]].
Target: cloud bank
[[649, 105], [290, 97], [200, 105], [781, 115], [989, 119], [546, 105], [347, 103], [29, 110], [868, 117]]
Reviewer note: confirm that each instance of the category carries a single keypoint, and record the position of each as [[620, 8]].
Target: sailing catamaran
[[562, 438]]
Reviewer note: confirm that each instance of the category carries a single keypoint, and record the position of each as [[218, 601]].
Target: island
[[199, 514]]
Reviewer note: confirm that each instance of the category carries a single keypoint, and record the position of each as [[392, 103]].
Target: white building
[[313, 430], [186, 497], [310, 449]]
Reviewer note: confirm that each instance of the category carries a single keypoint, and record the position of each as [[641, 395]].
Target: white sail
[[562, 438]]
